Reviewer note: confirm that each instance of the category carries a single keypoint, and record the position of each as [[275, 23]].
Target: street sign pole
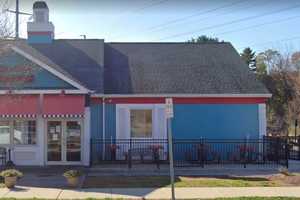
[[169, 115], [170, 139]]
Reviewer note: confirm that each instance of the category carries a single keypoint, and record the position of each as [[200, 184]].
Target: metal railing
[[187, 153], [294, 146]]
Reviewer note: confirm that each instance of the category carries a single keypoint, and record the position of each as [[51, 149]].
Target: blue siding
[[215, 121], [39, 39], [42, 78], [110, 121], [96, 121], [191, 121]]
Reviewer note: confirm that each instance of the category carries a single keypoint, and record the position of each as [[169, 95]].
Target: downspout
[[103, 128]]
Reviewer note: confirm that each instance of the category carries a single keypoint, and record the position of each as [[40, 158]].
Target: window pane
[[73, 141], [4, 132], [141, 123], [24, 132]]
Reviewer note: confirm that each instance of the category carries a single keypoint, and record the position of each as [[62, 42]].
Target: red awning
[[63, 105], [19, 106]]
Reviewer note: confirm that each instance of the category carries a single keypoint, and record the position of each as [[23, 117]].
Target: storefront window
[[141, 123], [24, 132], [4, 132]]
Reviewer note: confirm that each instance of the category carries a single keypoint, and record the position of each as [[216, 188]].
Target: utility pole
[[17, 13], [17, 19]]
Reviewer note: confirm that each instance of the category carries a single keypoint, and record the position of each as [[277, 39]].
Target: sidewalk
[[149, 193]]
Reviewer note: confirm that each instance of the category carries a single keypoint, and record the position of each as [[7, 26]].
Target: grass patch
[[259, 198], [235, 198], [180, 181]]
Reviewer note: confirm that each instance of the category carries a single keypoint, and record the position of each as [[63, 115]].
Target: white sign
[[169, 108]]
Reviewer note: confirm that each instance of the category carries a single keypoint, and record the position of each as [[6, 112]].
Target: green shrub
[[72, 174], [11, 173]]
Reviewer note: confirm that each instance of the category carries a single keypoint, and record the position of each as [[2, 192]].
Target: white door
[[64, 142]]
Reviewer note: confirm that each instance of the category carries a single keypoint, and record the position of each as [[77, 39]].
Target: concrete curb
[[149, 193]]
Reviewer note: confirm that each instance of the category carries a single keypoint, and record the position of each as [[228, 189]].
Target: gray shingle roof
[[177, 68], [80, 60], [149, 68]]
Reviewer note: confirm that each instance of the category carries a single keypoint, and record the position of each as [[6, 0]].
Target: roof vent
[[41, 30]]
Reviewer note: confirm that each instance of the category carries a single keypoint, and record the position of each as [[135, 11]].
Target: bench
[[142, 154]]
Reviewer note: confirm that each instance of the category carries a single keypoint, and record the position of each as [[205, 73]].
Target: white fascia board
[[187, 95], [51, 70], [41, 92]]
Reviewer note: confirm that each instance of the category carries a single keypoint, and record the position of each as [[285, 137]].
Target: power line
[[258, 25], [281, 40], [208, 17], [175, 21], [151, 5], [231, 22], [195, 14], [141, 9]]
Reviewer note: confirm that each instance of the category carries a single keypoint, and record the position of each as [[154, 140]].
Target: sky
[[259, 24]]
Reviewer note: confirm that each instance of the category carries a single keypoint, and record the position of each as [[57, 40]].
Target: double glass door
[[64, 141]]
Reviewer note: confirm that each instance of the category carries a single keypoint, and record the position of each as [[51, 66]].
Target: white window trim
[[11, 133], [155, 120], [262, 118]]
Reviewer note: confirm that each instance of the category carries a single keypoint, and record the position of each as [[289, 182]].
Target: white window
[[141, 123], [4, 132], [24, 132], [18, 132]]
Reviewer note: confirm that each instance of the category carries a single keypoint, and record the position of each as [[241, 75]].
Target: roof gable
[[17, 72]]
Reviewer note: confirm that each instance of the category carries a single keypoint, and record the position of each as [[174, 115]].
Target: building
[[57, 95]]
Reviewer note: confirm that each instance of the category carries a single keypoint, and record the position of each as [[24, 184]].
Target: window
[[4, 132], [141, 123], [24, 132], [18, 132]]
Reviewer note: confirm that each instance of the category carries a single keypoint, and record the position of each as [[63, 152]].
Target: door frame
[[64, 147]]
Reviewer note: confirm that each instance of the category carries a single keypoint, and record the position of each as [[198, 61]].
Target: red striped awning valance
[[63, 105], [49, 106], [63, 116], [18, 116], [22, 106]]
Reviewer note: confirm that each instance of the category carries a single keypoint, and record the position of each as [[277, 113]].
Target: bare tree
[[6, 26]]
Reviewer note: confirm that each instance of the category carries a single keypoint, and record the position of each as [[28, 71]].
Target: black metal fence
[[187, 153], [294, 147]]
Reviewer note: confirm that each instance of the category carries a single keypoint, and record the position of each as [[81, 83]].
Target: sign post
[[169, 116]]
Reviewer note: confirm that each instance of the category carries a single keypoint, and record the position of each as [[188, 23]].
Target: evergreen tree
[[248, 55], [203, 39]]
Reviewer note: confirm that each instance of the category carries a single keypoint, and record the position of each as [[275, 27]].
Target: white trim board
[[50, 69], [262, 118], [42, 91], [186, 95]]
